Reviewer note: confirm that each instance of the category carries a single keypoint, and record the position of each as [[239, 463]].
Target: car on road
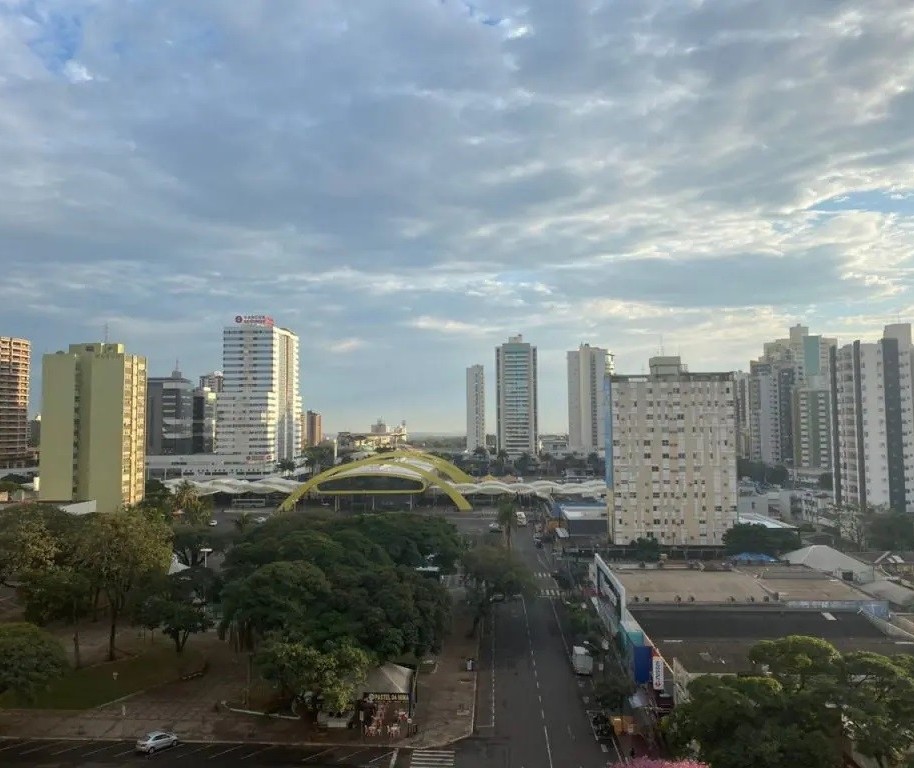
[[213, 522], [156, 740], [494, 528], [260, 519]]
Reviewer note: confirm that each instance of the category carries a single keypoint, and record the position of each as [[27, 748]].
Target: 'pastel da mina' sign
[[254, 319]]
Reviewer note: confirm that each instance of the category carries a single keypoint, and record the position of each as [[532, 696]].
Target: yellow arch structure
[[430, 478], [446, 468]]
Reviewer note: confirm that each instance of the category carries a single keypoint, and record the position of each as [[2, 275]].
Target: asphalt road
[[87, 754], [540, 718]]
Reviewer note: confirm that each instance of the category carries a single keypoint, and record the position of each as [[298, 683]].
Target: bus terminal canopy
[[401, 471]]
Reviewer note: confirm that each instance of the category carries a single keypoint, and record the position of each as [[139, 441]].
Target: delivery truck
[[581, 661]]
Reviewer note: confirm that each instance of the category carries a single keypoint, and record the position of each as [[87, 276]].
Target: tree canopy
[[750, 537], [806, 699], [30, 659], [319, 581]]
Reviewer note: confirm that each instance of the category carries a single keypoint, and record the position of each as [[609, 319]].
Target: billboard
[[657, 670], [609, 587]]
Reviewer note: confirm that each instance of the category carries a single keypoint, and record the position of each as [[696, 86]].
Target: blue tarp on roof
[[753, 557]]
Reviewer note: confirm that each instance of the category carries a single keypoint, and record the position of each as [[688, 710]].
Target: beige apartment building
[[15, 361], [674, 455], [93, 426]]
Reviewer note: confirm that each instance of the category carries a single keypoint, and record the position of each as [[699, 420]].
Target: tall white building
[[476, 408], [873, 404], [587, 367], [786, 367], [259, 408], [516, 397], [673, 455]]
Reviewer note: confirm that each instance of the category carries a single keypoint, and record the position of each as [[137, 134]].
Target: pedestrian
[[631, 753]]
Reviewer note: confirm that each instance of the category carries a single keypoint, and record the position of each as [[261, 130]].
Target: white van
[[521, 519]]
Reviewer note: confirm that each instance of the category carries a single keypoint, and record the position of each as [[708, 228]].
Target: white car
[[156, 740], [260, 519], [213, 523]]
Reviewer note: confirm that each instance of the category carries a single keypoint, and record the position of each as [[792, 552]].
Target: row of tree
[[804, 706], [318, 600]]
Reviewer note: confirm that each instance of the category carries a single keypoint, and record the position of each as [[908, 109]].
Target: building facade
[[212, 381], [169, 415], [517, 423], [812, 443], [587, 367], [872, 407], [259, 408], [476, 408], [15, 368], [787, 366], [314, 429], [203, 424], [741, 403], [93, 426], [673, 455]]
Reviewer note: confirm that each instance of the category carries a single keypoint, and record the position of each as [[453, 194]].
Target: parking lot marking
[[226, 751], [257, 752], [100, 749], [317, 754], [40, 747], [125, 752], [78, 745], [15, 743], [194, 751], [381, 757]]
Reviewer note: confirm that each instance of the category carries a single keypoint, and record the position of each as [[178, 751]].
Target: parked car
[[156, 740], [494, 528]]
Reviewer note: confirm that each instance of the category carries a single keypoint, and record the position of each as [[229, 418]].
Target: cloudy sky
[[407, 182]]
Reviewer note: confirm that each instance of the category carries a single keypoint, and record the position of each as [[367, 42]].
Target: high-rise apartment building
[[169, 415], [786, 367], [93, 426], [587, 368], [259, 408], [15, 365], [673, 455], [516, 397], [812, 417], [872, 409], [212, 381], [203, 423], [314, 429], [476, 408], [741, 403]]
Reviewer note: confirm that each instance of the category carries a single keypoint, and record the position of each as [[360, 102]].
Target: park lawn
[[93, 686]]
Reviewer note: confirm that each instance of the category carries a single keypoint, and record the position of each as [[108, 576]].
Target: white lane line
[[70, 748], [604, 748], [100, 749], [548, 747], [226, 751], [318, 754], [381, 757], [198, 749], [17, 743], [125, 752], [40, 747], [393, 758], [259, 751], [559, 625]]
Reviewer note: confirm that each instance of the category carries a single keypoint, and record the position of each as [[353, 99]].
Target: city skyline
[[748, 170]]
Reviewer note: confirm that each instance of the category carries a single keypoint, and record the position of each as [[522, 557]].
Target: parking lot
[[86, 753]]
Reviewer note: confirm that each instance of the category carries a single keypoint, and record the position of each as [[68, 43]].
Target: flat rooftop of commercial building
[[583, 511], [718, 640], [745, 584]]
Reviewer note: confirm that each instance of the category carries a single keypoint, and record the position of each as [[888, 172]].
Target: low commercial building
[[588, 523]]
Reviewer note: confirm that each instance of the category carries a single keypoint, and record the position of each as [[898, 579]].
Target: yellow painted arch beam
[[446, 468], [458, 498]]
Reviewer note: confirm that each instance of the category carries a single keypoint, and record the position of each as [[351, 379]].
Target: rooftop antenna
[[106, 333]]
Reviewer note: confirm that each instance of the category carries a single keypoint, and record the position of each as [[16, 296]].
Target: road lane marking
[[548, 747], [381, 757], [393, 758], [16, 743], [226, 751], [125, 752], [604, 748]]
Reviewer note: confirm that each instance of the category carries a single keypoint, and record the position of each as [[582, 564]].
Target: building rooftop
[[718, 640], [753, 518], [583, 511], [745, 584]]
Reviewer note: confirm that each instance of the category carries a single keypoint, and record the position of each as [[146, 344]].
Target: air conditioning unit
[[647, 599], [691, 598], [678, 598], [636, 599], [732, 599], [767, 599]]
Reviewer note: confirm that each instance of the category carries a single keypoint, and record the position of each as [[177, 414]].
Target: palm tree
[[243, 522], [507, 517], [286, 466]]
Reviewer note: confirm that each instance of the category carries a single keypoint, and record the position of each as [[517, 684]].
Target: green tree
[[890, 530], [190, 540], [59, 594], [285, 466], [275, 597], [189, 507], [506, 517], [492, 569], [335, 674], [757, 539], [117, 553], [612, 691], [30, 660], [523, 463], [645, 548]]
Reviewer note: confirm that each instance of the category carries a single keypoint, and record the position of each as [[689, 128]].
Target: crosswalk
[[432, 758], [550, 593], [543, 575]]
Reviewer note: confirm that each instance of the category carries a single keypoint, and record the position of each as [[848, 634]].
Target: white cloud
[[416, 180]]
